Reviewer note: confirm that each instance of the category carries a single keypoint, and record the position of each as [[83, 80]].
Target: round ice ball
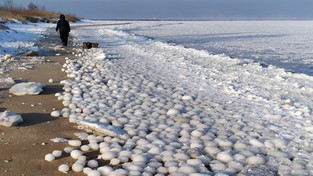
[[105, 170], [224, 157], [49, 157], [217, 166], [212, 150], [115, 161], [186, 98], [55, 114], [85, 148], [75, 143], [182, 156], [92, 163], [68, 149], [75, 154], [94, 146], [279, 143], [77, 167], [86, 170], [255, 160], [57, 153], [64, 168], [108, 155], [173, 112], [50, 80], [256, 143], [188, 169], [94, 173]]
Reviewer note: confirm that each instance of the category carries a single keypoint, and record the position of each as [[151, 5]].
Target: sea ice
[[9, 119], [28, 88]]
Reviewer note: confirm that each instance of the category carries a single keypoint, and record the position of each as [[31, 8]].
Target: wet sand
[[24, 147]]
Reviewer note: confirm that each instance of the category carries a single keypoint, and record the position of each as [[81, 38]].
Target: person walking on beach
[[64, 29]]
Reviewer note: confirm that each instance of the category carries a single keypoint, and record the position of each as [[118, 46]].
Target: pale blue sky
[[182, 9]]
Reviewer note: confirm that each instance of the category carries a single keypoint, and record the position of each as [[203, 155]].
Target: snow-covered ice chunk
[[28, 88], [103, 128], [7, 80], [10, 119]]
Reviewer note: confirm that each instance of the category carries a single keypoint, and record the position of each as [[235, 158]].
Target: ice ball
[[49, 157], [75, 154], [75, 143], [77, 167], [92, 163], [64, 168], [57, 153], [55, 114], [94, 173]]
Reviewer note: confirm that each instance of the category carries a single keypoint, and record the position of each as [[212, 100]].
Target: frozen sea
[[285, 44], [180, 98]]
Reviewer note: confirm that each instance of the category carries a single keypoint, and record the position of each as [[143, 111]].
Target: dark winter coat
[[63, 26]]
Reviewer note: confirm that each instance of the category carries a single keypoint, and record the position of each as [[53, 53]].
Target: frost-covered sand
[[163, 109]]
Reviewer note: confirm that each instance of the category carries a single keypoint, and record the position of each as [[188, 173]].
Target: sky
[[179, 9]]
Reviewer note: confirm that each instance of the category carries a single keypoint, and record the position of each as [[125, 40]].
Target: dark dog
[[88, 45]]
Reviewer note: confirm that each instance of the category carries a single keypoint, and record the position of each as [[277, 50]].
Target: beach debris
[[50, 80], [9, 119], [29, 53], [27, 88]]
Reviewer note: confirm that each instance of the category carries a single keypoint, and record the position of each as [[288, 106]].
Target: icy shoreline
[[168, 110], [238, 114], [173, 135]]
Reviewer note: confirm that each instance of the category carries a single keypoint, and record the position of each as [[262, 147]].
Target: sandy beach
[[24, 147]]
